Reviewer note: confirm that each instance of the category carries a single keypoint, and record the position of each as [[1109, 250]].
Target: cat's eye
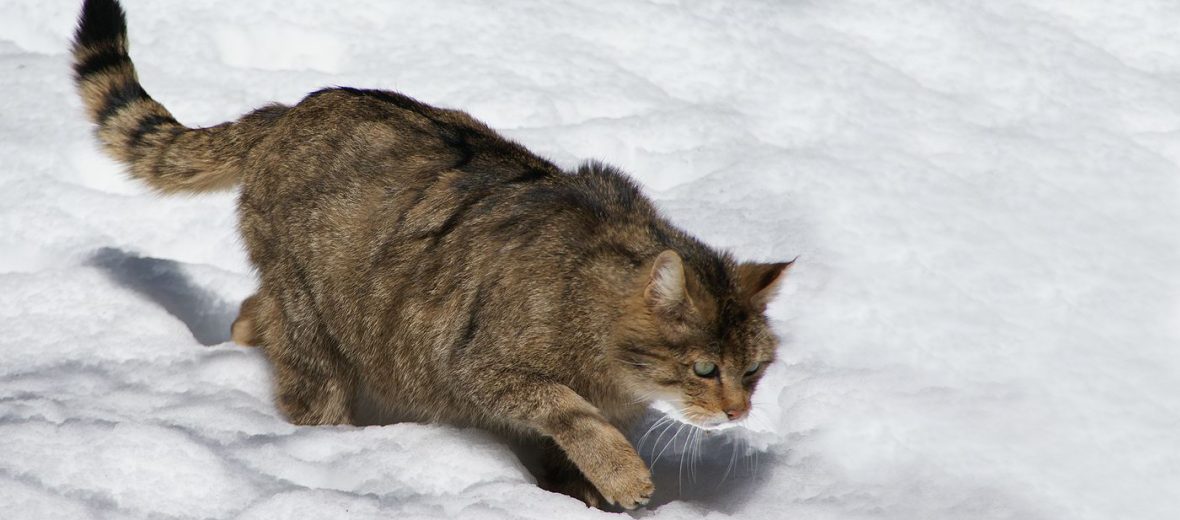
[[753, 368], [704, 368]]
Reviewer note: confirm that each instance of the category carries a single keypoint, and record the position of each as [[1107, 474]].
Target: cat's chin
[[672, 410], [716, 427]]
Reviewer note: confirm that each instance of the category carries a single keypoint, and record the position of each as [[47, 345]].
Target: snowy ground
[[983, 323]]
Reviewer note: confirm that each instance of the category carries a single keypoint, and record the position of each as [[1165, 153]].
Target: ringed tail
[[138, 131]]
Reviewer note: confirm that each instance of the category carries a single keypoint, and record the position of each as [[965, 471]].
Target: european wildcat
[[411, 252]]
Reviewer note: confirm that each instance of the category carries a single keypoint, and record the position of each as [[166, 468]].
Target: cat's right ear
[[665, 290], [759, 282]]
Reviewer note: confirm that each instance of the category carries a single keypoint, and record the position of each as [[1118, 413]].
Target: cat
[[412, 254]]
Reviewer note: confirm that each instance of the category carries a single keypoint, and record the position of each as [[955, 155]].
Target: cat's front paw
[[630, 487]]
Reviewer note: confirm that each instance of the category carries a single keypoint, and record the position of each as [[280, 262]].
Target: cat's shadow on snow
[[207, 315], [711, 469], [714, 470]]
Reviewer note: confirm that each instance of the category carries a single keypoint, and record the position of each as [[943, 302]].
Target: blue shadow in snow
[[206, 314]]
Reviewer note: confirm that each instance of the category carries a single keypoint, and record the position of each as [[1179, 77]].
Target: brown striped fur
[[411, 254]]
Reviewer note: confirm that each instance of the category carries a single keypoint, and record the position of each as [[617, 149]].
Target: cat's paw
[[630, 487]]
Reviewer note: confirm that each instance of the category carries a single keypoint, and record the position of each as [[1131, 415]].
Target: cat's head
[[695, 334]]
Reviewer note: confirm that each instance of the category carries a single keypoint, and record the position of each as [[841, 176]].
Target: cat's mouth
[[713, 423]]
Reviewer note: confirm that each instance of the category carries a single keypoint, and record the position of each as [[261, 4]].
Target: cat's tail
[[138, 131]]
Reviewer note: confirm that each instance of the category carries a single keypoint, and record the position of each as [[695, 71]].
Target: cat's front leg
[[559, 475], [593, 444], [601, 452]]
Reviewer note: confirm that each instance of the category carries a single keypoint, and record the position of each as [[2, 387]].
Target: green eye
[[704, 368], [754, 368]]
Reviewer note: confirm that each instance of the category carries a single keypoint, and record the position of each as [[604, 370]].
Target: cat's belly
[[386, 399]]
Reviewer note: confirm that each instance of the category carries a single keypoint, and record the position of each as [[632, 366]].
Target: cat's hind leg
[[314, 384], [251, 321]]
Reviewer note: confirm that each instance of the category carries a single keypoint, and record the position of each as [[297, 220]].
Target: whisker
[[732, 461], [751, 463], [656, 445], [755, 475], [650, 429], [680, 474], [670, 441], [686, 452], [701, 435]]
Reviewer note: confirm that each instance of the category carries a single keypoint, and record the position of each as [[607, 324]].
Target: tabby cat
[[412, 254]]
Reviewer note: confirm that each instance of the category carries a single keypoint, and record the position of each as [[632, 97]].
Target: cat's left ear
[[759, 282]]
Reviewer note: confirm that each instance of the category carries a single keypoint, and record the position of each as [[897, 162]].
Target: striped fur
[[137, 130], [412, 257]]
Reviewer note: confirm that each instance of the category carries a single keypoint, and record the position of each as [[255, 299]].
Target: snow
[[983, 322]]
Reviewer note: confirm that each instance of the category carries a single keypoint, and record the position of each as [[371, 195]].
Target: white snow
[[983, 322]]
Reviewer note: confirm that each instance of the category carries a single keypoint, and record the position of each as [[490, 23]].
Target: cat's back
[[350, 164], [351, 135], [360, 155]]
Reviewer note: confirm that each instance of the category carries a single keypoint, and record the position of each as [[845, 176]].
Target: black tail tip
[[101, 21]]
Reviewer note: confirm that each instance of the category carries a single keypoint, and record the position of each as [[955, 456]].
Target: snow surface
[[983, 322]]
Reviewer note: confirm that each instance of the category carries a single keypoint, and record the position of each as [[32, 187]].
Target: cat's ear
[[759, 282], [665, 289]]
